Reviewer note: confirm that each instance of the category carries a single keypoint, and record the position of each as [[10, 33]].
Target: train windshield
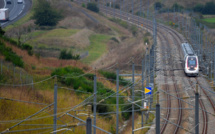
[[192, 62]]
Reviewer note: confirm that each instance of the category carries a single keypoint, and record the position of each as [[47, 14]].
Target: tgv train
[[190, 62]]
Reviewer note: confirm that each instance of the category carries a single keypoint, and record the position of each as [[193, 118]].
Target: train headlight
[[188, 67], [195, 68]]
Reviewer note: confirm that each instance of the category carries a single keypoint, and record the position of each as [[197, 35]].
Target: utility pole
[[214, 66], [94, 103], [142, 95], [133, 95], [1, 67], [89, 122], [158, 115], [196, 111], [55, 105], [132, 7], [148, 10], [117, 99]]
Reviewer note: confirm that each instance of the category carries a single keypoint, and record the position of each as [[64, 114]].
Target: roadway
[[16, 11], [2, 3]]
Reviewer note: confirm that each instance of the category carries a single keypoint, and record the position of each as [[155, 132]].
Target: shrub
[[146, 40], [10, 55], [157, 5], [68, 55], [198, 8], [134, 30], [85, 83], [23, 46], [93, 7], [117, 6], [112, 77], [45, 15], [177, 7], [209, 8], [1, 31], [115, 39], [83, 5]]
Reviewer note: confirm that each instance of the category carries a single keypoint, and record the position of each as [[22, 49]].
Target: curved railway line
[[178, 39], [136, 21], [204, 114]]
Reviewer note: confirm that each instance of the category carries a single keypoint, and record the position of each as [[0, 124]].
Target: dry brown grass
[[42, 63], [81, 39], [123, 52]]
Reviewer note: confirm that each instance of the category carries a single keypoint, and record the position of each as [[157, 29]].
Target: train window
[[191, 61]]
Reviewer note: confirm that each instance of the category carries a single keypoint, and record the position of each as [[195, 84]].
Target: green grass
[[97, 47], [209, 20], [59, 32], [47, 34]]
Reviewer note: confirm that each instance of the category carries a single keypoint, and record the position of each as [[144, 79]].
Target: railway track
[[149, 25], [135, 21], [208, 96], [204, 114]]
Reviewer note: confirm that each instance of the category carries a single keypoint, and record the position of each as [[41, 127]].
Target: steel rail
[[204, 114]]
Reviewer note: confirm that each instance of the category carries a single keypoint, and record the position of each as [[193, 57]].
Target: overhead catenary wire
[[2, 98]]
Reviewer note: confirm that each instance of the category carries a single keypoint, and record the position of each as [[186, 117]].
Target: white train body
[[191, 62]]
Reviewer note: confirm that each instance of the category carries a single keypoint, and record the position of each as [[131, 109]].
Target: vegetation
[[1, 31], [146, 40], [124, 24], [112, 77], [177, 7], [208, 8], [83, 5], [22, 46], [93, 7], [117, 6], [97, 47], [115, 39], [45, 15], [81, 83], [209, 20], [157, 5], [10, 55], [68, 55]]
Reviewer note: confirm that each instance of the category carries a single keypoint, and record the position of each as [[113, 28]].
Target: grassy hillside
[[19, 102], [107, 42], [80, 34]]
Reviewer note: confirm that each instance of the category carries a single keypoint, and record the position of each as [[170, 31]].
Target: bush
[[157, 5], [93, 7], [198, 8], [117, 6], [209, 8], [10, 55], [45, 15], [1, 31], [85, 83], [134, 30], [177, 7], [27, 47], [68, 55], [112, 77], [115, 39], [146, 40], [83, 5]]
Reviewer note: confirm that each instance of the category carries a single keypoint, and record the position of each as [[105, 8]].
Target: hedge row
[[10, 55], [76, 78], [24, 46]]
